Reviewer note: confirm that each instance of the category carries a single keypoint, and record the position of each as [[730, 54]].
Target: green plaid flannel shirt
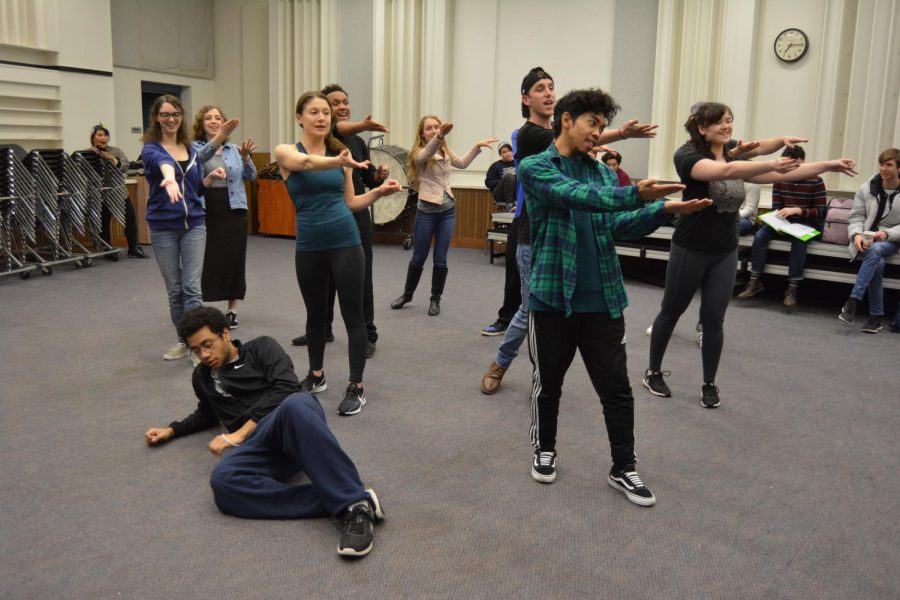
[[554, 186]]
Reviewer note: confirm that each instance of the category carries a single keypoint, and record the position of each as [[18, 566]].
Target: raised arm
[[712, 170], [806, 170], [290, 159], [630, 129], [346, 128], [465, 161]]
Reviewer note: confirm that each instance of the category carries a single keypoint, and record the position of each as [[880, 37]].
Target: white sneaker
[[650, 330], [195, 358], [179, 350]]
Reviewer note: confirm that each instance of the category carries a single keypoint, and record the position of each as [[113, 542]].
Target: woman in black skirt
[[226, 208]]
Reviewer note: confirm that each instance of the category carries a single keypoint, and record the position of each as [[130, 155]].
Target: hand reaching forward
[[248, 148], [649, 189], [345, 159], [633, 129], [486, 143], [445, 129], [370, 124], [847, 166], [790, 141], [743, 148], [391, 186], [784, 165], [229, 126], [686, 207], [172, 189]]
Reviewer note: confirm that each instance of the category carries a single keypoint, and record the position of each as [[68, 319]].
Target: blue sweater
[[162, 214]]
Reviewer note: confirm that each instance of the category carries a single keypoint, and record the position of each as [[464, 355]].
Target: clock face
[[791, 45]]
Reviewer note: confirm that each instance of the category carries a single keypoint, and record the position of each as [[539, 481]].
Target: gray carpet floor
[[788, 490]]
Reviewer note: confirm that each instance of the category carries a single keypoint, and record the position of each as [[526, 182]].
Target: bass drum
[[390, 207]]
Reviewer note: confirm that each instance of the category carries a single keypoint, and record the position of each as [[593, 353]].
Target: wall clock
[[791, 45]]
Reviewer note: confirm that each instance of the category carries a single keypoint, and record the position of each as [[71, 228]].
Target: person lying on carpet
[[273, 432]]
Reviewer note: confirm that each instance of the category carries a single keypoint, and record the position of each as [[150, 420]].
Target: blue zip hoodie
[[162, 214]]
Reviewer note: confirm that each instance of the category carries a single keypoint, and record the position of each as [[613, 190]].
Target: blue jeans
[[432, 225], [796, 262], [870, 274], [518, 327], [250, 480], [746, 226], [179, 254]]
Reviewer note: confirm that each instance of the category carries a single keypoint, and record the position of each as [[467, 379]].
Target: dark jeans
[[130, 225], [552, 341], [745, 226], [428, 226], [687, 271], [760, 249], [346, 268], [249, 481], [512, 292], [365, 234]]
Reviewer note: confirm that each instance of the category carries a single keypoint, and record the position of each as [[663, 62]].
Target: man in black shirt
[[345, 132], [273, 432]]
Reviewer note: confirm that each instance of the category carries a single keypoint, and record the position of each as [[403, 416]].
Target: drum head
[[390, 207]]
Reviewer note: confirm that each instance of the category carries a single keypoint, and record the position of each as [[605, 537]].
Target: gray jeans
[[713, 275]]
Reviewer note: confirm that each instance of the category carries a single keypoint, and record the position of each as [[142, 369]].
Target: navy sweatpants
[[249, 481]]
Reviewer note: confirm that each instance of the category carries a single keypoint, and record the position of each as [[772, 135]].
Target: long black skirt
[[226, 249]]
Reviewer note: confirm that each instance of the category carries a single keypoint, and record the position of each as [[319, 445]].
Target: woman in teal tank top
[[317, 171]]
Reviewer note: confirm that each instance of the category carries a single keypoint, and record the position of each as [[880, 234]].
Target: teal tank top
[[324, 221]]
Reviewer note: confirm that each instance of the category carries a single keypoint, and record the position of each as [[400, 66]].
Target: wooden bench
[[826, 262]]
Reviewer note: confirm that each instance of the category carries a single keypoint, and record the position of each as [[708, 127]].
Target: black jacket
[[256, 383]]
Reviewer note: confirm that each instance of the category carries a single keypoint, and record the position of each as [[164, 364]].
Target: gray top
[[431, 207], [216, 162]]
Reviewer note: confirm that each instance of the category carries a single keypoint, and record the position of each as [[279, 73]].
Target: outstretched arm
[[357, 203], [290, 159], [765, 146], [630, 129], [712, 170], [345, 128], [806, 170]]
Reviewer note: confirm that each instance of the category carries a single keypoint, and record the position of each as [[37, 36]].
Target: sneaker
[[895, 325], [873, 325], [543, 468], [848, 311], [709, 397], [370, 349], [313, 384], [359, 530], [699, 330], [650, 330], [195, 358], [376, 505], [302, 341], [653, 381], [754, 286], [498, 327], [790, 296], [490, 383], [354, 399], [628, 482], [231, 316], [179, 350]]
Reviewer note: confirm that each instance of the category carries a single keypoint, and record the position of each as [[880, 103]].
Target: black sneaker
[[895, 325], [653, 381], [359, 530], [231, 316], [709, 397], [498, 327], [303, 341], [628, 482], [873, 325], [543, 468], [376, 505], [354, 399], [370, 349], [848, 312], [313, 384]]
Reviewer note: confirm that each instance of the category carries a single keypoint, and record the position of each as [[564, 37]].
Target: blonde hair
[[419, 143], [199, 131]]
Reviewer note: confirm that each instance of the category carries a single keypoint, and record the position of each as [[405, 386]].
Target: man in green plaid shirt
[[577, 294]]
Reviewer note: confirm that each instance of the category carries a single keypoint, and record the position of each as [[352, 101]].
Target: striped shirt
[[554, 186], [808, 194]]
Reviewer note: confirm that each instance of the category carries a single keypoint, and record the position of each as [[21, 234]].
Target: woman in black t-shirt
[[704, 246]]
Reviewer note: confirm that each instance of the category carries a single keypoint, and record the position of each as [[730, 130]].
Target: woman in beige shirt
[[429, 174]]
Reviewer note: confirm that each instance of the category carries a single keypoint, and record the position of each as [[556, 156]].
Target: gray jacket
[[865, 207]]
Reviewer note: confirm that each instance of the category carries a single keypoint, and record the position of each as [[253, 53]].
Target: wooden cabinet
[[276, 211]]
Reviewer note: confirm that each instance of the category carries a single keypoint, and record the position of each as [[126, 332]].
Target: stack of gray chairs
[[16, 212], [103, 183]]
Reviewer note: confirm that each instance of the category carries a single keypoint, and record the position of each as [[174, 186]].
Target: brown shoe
[[754, 286], [790, 296], [490, 383]]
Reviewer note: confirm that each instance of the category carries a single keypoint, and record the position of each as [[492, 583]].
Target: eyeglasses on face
[[167, 115]]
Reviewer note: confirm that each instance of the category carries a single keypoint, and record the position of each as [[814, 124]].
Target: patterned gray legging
[[688, 270]]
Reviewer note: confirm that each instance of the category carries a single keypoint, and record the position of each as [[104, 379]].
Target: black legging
[[346, 268], [687, 271]]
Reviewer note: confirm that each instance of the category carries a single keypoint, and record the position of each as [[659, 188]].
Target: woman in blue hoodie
[[175, 212]]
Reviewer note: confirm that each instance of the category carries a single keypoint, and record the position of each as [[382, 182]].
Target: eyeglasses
[[166, 116]]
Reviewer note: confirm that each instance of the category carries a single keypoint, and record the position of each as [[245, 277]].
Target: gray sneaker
[[179, 350]]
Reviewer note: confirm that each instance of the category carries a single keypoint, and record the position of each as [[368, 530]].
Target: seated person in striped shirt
[[798, 202], [577, 209]]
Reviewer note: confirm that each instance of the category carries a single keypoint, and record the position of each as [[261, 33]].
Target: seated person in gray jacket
[[272, 433]]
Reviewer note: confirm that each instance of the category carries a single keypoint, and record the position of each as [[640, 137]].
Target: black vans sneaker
[[313, 384], [359, 530], [709, 395], [873, 325], [231, 317], [653, 381], [627, 481], [543, 468], [354, 399], [848, 311]]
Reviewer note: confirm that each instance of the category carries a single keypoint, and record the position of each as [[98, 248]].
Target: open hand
[[248, 148], [790, 142], [444, 129], [486, 143], [846, 166], [686, 207], [370, 124], [391, 186], [345, 159], [649, 189], [784, 165], [633, 129], [229, 126], [743, 148], [172, 189], [784, 213]]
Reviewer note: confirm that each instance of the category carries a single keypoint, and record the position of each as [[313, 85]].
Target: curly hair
[[199, 131], [579, 102], [203, 316]]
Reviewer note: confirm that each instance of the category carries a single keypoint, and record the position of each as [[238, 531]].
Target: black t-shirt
[[362, 178], [715, 228], [532, 139]]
